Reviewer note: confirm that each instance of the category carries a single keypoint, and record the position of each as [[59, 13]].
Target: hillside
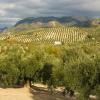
[[64, 35], [55, 57], [31, 23], [78, 21], [96, 22], [42, 22]]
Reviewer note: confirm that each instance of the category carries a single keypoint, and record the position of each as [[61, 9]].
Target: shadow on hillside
[[39, 93]]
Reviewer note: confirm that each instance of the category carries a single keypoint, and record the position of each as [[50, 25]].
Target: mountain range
[[78, 21], [31, 23]]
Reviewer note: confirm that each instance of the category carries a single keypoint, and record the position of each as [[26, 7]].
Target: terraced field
[[48, 35]]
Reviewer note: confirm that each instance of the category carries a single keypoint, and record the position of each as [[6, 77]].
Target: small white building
[[57, 43], [93, 38]]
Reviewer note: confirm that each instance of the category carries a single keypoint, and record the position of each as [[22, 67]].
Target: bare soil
[[38, 92]]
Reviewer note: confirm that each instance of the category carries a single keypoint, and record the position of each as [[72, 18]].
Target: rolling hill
[[48, 35], [63, 30], [76, 21]]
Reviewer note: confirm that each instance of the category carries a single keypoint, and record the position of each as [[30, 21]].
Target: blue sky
[[13, 10]]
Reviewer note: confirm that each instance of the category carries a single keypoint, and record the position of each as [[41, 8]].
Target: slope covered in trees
[[65, 35], [28, 57], [76, 67]]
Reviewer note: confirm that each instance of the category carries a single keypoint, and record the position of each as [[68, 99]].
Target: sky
[[13, 10]]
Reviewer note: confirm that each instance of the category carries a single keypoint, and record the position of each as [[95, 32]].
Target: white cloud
[[2, 13], [7, 6], [9, 19], [4, 7]]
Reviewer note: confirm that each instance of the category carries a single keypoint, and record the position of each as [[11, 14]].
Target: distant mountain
[[32, 23], [2, 29], [96, 22], [44, 21]]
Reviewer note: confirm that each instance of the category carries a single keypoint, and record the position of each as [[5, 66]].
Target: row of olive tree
[[75, 68]]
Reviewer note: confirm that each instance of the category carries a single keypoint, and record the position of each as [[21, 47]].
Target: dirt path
[[26, 94], [15, 94]]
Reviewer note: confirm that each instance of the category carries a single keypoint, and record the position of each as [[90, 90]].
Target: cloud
[[8, 20], [2, 13], [6, 6], [13, 9]]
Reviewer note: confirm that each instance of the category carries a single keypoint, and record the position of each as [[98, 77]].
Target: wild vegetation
[[74, 65]]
